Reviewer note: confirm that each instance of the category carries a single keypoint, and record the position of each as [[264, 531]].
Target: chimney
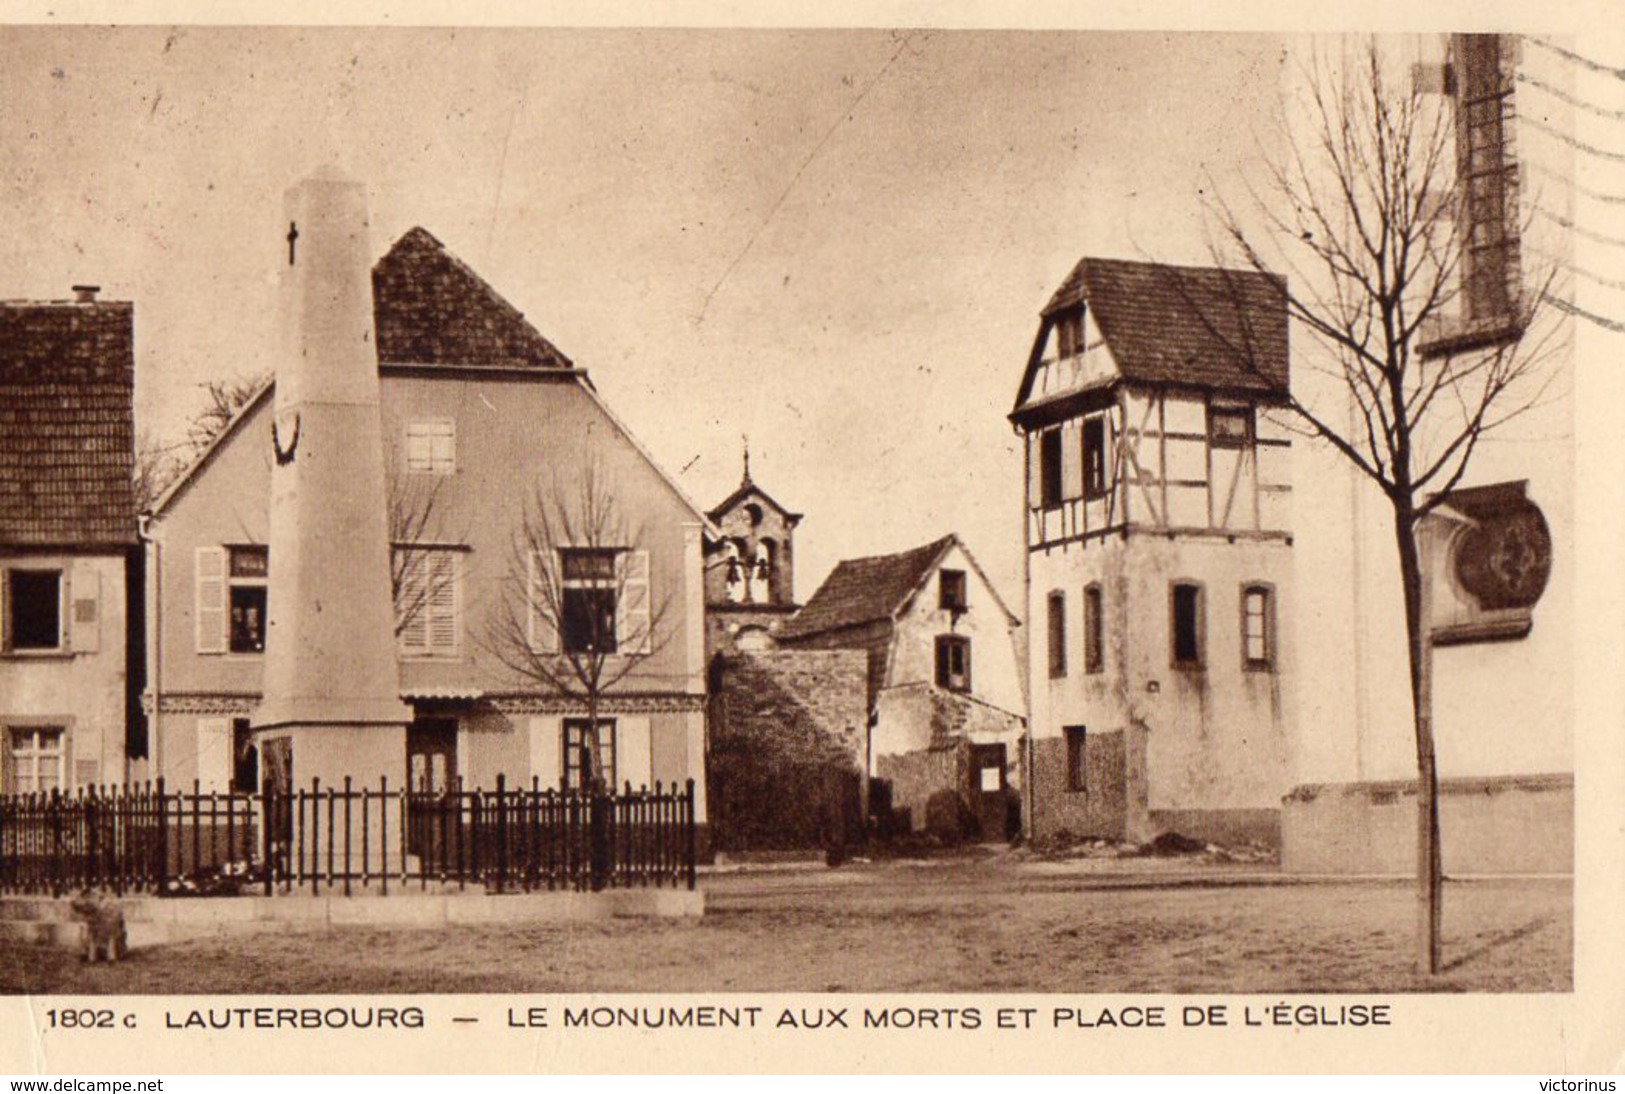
[[85, 294]]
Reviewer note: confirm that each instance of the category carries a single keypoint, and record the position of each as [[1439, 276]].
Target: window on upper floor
[[587, 616], [1094, 652], [1094, 457], [1049, 468], [248, 570], [1185, 608], [428, 602], [1230, 426], [33, 610], [1057, 635], [953, 662], [1069, 333], [431, 446], [951, 591], [1258, 627]]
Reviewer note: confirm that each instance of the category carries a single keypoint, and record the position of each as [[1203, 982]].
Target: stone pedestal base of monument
[[339, 792]]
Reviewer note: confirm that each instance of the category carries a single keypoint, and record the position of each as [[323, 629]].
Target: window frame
[[428, 648], [34, 755], [1076, 743], [1051, 474], [1056, 632], [1094, 633], [1266, 619], [429, 431], [571, 742], [246, 582], [591, 587], [1198, 625], [1245, 414], [8, 604], [953, 591], [1096, 479], [945, 646]]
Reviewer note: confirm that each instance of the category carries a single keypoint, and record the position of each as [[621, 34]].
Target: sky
[[834, 243]]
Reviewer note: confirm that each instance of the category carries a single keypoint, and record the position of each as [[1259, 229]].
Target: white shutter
[[441, 603], [632, 605], [214, 754], [546, 751], [84, 620], [1034, 450], [414, 603], [211, 599], [632, 755], [1071, 460], [539, 624]]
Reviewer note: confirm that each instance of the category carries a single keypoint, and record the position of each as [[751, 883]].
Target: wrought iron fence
[[346, 839]]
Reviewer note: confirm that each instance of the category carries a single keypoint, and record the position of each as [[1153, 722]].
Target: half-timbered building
[[1158, 553]]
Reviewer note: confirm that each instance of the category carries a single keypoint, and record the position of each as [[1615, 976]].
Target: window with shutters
[[428, 602], [33, 611], [38, 759], [431, 447], [248, 570], [588, 614]]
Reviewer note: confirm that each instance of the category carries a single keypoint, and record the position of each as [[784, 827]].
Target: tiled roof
[[431, 309], [865, 590], [67, 424], [1198, 325]]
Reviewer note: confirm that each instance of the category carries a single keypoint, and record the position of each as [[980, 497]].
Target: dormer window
[[1069, 333]]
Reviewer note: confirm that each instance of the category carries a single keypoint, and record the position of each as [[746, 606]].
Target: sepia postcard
[[977, 540]]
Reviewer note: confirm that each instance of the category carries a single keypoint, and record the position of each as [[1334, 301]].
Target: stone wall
[[788, 749], [1113, 803], [1518, 824], [916, 776]]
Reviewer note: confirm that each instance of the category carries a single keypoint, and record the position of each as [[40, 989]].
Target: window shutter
[[214, 754], [633, 760], [211, 599], [414, 604], [632, 603], [546, 752], [1034, 468], [84, 624], [1071, 460], [441, 601], [8, 762], [539, 622]]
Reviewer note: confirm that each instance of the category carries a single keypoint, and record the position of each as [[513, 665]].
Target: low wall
[[151, 921], [1519, 824], [1224, 827]]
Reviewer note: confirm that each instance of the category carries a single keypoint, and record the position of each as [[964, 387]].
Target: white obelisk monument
[[332, 683]]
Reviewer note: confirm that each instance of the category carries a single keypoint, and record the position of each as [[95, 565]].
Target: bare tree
[[157, 463], [1362, 215], [582, 615]]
